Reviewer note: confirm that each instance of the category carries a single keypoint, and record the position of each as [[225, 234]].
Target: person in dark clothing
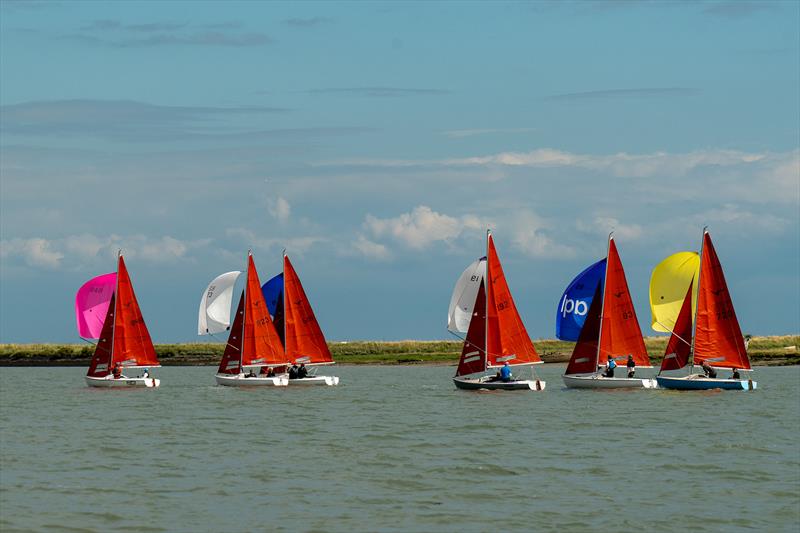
[[293, 372], [631, 366], [610, 366], [249, 373], [709, 372], [494, 378], [117, 371], [270, 372], [302, 371], [735, 374]]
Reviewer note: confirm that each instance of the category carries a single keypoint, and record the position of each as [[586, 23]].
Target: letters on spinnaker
[[463, 299], [91, 304], [215, 304], [576, 301]]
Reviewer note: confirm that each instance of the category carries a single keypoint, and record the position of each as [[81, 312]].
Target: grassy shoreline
[[774, 350]]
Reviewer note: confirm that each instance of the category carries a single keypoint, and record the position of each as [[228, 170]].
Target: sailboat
[[495, 333], [717, 339], [304, 342], [609, 327], [253, 341], [123, 341]]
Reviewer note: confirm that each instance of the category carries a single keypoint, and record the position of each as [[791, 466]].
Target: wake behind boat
[[124, 343], [597, 307], [496, 336], [718, 342]]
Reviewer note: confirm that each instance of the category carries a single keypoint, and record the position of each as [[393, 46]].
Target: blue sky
[[377, 141]]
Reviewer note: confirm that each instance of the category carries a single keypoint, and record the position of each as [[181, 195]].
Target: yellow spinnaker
[[668, 285]]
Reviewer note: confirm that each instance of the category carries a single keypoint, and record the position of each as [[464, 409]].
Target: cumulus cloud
[[421, 227], [279, 209], [531, 236], [292, 245], [87, 249], [603, 225], [370, 249]]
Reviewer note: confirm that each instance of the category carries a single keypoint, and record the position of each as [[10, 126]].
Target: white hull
[[483, 383], [123, 381], [330, 381], [598, 381], [238, 380]]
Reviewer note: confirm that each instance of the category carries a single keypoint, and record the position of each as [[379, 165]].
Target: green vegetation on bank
[[776, 350]]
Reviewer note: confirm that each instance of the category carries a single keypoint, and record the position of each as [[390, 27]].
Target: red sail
[[676, 356], [621, 335], [305, 342], [101, 361], [261, 344], [507, 339], [132, 343], [718, 338], [473, 354], [584, 355], [233, 349]]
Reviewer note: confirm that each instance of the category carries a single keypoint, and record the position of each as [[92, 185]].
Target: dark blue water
[[394, 449]]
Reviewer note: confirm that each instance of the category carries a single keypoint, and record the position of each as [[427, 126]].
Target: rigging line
[[676, 335], [87, 341], [225, 341]]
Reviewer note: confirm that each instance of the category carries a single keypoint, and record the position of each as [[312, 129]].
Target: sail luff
[[603, 302]]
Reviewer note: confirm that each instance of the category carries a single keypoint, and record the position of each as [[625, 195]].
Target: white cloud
[[603, 225], [370, 249], [292, 245], [36, 252], [530, 235], [421, 227], [87, 249], [280, 209]]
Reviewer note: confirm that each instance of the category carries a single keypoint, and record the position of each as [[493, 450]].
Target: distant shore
[[769, 351]]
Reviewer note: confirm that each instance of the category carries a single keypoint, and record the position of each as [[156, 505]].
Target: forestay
[[463, 299], [215, 304]]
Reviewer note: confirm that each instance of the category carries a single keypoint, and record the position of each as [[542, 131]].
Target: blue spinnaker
[[272, 290], [574, 303]]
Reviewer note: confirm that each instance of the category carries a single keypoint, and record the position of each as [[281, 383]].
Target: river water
[[394, 449]]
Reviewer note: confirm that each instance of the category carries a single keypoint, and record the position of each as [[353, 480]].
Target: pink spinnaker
[[91, 304]]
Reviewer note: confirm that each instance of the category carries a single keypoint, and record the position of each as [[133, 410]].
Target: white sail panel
[[463, 300], [215, 304]]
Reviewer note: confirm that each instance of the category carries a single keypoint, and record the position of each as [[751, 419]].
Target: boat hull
[[483, 384], [698, 382], [598, 381], [238, 380], [123, 382], [330, 381]]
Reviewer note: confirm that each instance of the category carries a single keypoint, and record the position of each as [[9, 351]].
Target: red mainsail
[[305, 342], [718, 337], [676, 356], [473, 354], [584, 355], [620, 333], [507, 339]]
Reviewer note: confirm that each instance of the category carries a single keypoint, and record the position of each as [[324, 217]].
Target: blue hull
[[698, 383]]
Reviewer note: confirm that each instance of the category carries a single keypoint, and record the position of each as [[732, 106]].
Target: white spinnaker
[[215, 305], [463, 300]]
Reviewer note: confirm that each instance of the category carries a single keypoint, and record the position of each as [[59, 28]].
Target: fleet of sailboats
[[274, 327]]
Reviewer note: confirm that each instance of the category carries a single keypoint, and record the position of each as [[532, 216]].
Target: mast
[[486, 313], [603, 301], [697, 307], [114, 323], [244, 309], [283, 300]]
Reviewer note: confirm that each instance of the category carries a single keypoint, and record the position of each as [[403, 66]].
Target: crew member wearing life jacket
[[505, 372], [611, 365]]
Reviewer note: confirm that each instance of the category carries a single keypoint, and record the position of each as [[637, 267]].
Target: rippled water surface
[[394, 449]]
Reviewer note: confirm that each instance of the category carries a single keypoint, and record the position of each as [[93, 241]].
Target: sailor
[[631, 366], [117, 371], [505, 372], [735, 374], [710, 372], [302, 371], [249, 374], [610, 366], [270, 372], [146, 373], [293, 371]]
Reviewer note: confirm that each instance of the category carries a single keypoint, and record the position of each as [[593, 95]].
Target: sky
[[376, 143]]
